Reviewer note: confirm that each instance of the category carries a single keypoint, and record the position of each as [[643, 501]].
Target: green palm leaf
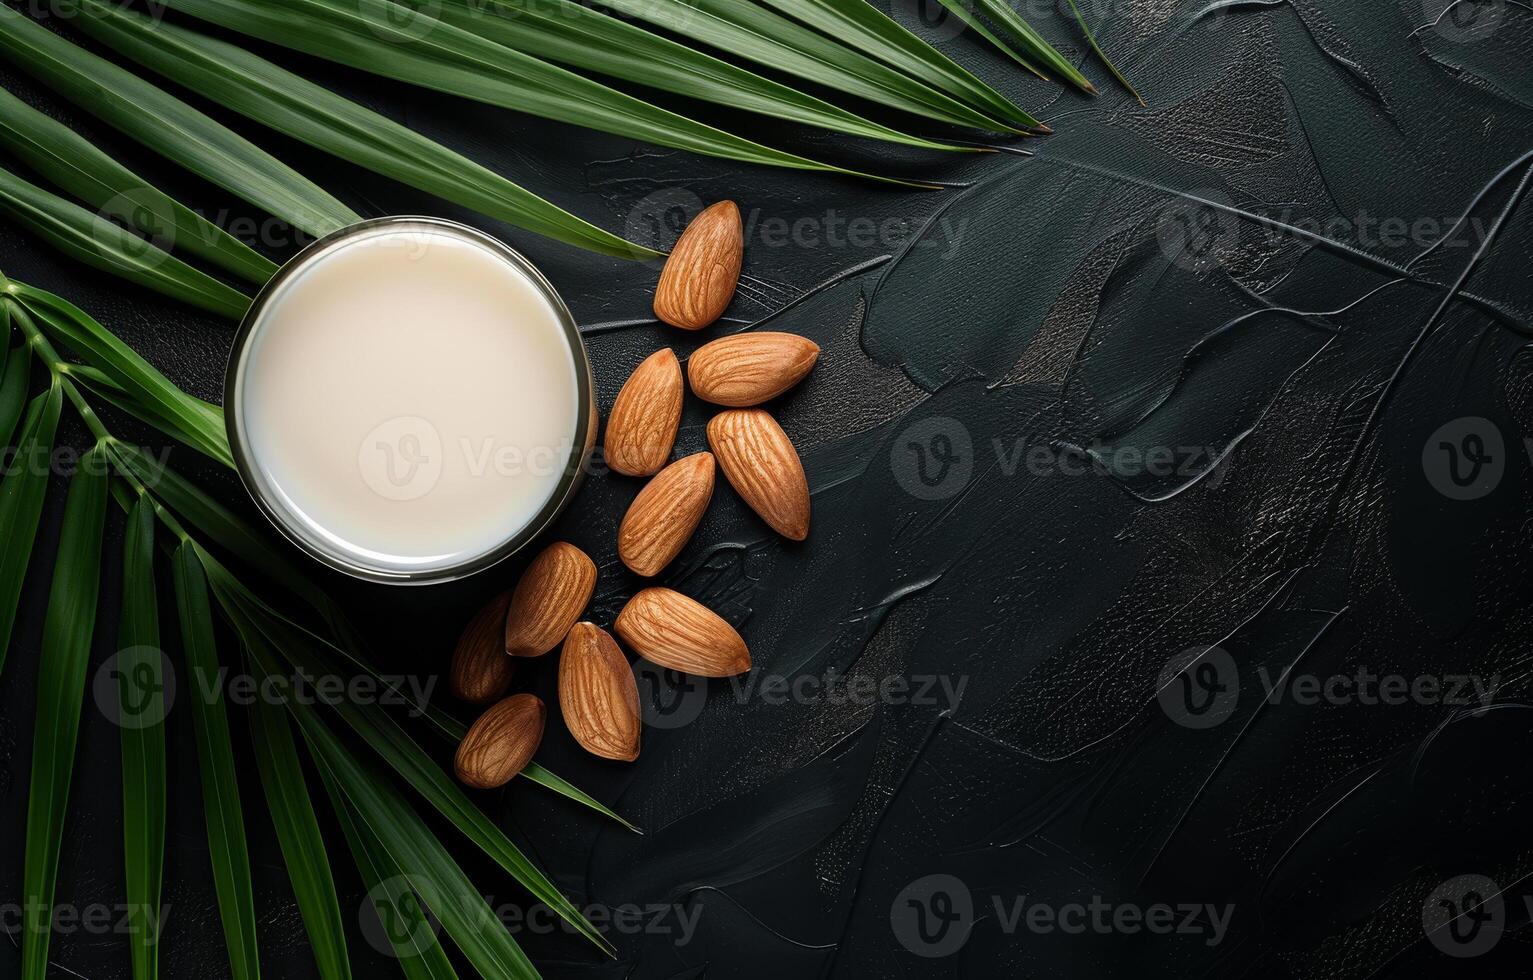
[[141, 715], [1030, 40], [67, 630], [430, 870], [169, 126], [296, 107], [1091, 39], [439, 56], [202, 422], [410, 933], [21, 502], [568, 33], [74, 164], [303, 847], [860, 25], [259, 625], [767, 38], [962, 10], [90, 238], [216, 765], [13, 384]]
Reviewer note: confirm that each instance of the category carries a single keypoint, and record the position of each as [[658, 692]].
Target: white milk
[[408, 400]]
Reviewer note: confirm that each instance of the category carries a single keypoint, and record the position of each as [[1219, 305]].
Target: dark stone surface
[[1059, 446]]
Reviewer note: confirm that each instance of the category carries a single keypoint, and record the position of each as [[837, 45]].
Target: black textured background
[[1354, 173]]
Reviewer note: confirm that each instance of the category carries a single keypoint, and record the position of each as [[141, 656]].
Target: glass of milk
[[409, 400]]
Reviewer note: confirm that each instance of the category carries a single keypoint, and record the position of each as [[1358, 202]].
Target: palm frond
[[86, 236], [75, 165], [303, 846], [859, 24], [169, 126], [1032, 43], [437, 55], [568, 33], [21, 502], [767, 38], [67, 630], [297, 108], [219, 773], [141, 720]]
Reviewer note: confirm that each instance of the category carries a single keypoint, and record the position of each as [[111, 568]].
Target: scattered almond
[[763, 467], [750, 368], [598, 695], [501, 742], [641, 428], [679, 632], [663, 516], [481, 671], [550, 597], [700, 276]]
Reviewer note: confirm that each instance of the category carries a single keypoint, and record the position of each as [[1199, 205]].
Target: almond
[[700, 276], [678, 632], [481, 671], [750, 368], [598, 695], [763, 467], [552, 593], [641, 428], [501, 743], [663, 516]]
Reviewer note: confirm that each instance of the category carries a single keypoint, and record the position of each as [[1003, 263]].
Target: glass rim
[[347, 560]]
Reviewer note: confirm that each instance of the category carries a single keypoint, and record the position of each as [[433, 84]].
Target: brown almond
[[675, 631], [501, 743], [700, 276], [750, 368], [552, 593], [598, 695], [663, 516], [481, 671], [641, 428], [763, 467]]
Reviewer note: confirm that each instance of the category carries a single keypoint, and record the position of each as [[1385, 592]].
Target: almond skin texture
[[641, 428], [750, 368], [481, 671], [700, 276], [501, 742], [598, 695], [675, 631], [663, 516], [552, 593], [763, 467]]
